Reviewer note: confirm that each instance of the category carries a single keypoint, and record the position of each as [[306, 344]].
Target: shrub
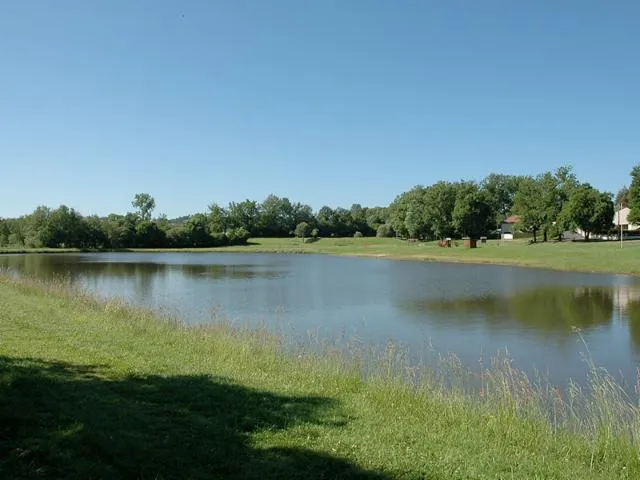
[[237, 236], [384, 231], [302, 230], [358, 235]]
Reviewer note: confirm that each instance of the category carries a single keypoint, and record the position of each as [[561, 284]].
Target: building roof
[[512, 219]]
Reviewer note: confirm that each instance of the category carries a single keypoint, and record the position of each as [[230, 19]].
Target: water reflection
[[465, 309], [546, 312], [557, 309], [47, 266], [632, 311]]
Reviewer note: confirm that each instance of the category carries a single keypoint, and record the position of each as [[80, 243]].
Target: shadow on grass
[[65, 421]]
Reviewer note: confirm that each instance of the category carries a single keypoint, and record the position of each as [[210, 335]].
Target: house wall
[[620, 218], [506, 231]]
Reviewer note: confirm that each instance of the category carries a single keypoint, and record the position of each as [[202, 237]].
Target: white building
[[620, 218], [507, 229]]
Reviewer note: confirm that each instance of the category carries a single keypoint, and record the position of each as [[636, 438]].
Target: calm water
[[471, 310]]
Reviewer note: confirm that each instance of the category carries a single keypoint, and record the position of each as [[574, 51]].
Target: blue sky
[[326, 102]]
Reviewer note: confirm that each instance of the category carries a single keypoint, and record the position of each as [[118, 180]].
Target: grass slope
[[605, 257], [99, 390]]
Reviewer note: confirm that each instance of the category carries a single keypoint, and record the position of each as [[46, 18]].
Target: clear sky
[[325, 102]]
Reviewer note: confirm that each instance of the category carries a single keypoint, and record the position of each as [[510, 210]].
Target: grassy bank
[[605, 257], [100, 390]]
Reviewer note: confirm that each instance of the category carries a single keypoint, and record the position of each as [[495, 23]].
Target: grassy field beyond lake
[[99, 390], [606, 257]]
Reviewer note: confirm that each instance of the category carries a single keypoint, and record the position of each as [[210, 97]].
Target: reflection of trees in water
[[233, 272], [39, 266], [44, 266], [142, 273], [564, 308], [545, 310], [632, 311]]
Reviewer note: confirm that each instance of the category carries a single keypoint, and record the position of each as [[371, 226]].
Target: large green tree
[[439, 203], [558, 189], [245, 215], [341, 222], [501, 191], [413, 221], [359, 219], [302, 230], [323, 219], [412, 202], [300, 212], [589, 210], [276, 217], [622, 198], [217, 218], [540, 200], [197, 231], [529, 205], [66, 227], [472, 214], [376, 217], [602, 220], [95, 236], [150, 235], [4, 232], [120, 230], [144, 204]]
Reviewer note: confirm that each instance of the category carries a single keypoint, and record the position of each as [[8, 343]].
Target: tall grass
[[598, 410], [496, 397]]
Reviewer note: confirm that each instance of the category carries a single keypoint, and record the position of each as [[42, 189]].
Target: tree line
[[547, 205], [218, 226]]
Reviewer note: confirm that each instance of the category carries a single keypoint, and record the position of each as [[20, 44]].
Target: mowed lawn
[[579, 256], [99, 390], [605, 257]]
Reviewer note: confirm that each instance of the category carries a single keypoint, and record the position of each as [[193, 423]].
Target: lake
[[470, 310]]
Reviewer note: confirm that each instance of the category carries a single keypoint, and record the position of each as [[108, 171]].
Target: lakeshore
[[600, 257], [94, 388]]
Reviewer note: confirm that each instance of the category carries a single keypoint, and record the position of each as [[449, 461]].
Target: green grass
[[605, 257], [94, 389]]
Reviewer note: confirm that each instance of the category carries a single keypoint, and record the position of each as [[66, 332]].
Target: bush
[[237, 236], [384, 231], [15, 240], [177, 237], [219, 239], [302, 230], [315, 233], [357, 235]]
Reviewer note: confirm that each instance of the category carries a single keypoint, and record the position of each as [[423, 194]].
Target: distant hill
[[179, 220]]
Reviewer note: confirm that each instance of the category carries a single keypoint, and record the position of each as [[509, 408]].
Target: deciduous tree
[[302, 230], [472, 214], [144, 204], [589, 210], [622, 198]]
